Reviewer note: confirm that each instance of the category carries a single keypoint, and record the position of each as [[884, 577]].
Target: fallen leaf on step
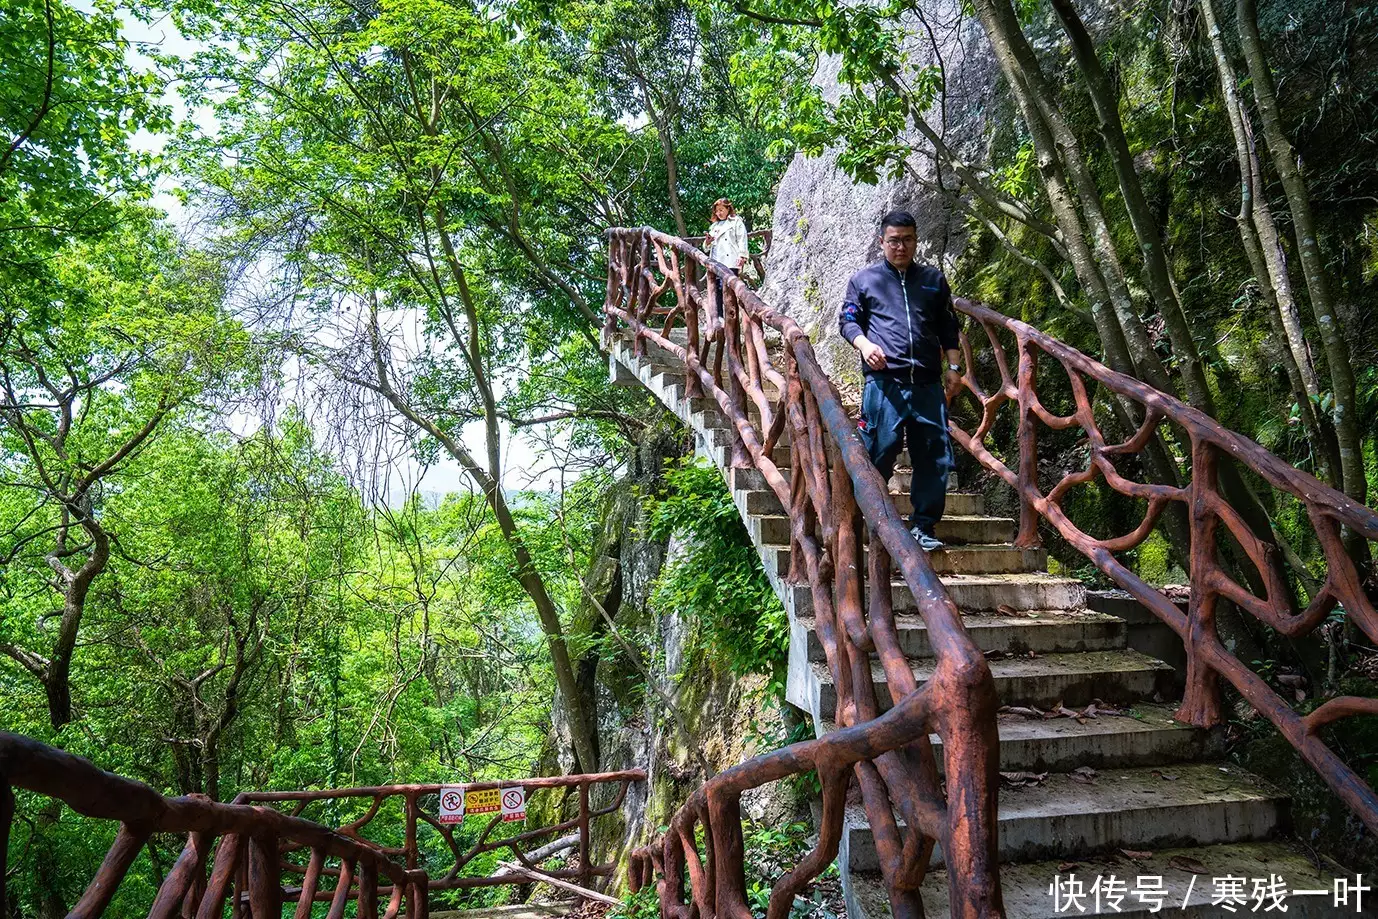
[[1187, 863], [1024, 710], [1005, 609], [1136, 855], [1098, 708], [995, 654], [1085, 772], [1167, 776], [1023, 779], [1068, 866]]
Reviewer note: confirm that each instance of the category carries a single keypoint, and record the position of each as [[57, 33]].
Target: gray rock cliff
[[825, 224]]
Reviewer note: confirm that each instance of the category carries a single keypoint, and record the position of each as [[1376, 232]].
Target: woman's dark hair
[[713, 211], [897, 219]]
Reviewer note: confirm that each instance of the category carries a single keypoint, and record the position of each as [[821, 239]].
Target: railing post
[[342, 889], [418, 906], [693, 386], [584, 867], [1201, 702], [265, 883], [368, 891], [240, 889], [612, 295], [221, 884], [310, 883], [1027, 538], [731, 347], [413, 853], [729, 855]]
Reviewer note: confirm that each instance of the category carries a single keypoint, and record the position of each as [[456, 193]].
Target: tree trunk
[[1293, 180], [1157, 275], [1060, 160], [581, 724], [1263, 247], [57, 682], [667, 143]]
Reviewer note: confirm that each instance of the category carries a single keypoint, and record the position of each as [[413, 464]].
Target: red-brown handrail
[[730, 359], [1207, 510], [246, 844], [413, 815], [240, 842]]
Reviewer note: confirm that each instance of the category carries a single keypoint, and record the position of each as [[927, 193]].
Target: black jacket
[[910, 318]]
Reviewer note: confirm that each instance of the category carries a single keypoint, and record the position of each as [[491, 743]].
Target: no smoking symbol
[[512, 800]]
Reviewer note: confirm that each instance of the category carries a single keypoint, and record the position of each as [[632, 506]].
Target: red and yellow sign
[[484, 801]]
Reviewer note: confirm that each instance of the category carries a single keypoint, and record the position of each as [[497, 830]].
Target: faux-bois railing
[[833, 491], [1209, 515], [261, 860]]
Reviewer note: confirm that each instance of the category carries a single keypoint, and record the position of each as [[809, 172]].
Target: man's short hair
[[898, 219]]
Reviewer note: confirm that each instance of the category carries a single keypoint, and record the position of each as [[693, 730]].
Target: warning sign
[[514, 804], [452, 804], [485, 801]]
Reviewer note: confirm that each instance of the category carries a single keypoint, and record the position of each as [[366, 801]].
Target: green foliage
[[261, 628], [644, 904], [69, 105], [772, 851], [718, 582]]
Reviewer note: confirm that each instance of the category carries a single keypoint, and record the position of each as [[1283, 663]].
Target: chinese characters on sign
[[1107, 893], [484, 801], [456, 802], [514, 804]]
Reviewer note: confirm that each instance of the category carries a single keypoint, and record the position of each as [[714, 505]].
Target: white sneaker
[[926, 542]]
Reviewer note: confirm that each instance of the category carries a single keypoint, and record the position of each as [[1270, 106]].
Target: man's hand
[[952, 380], [871, 353]]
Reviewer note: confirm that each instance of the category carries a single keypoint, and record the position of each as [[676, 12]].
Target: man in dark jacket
[[899, 316]]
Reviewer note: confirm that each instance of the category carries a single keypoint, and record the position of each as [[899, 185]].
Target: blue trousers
[[895, 414]]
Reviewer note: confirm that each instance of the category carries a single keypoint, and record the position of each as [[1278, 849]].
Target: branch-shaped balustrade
[[416, 806], [240, 843], [251, 848], [759, 368], [1210, 515]]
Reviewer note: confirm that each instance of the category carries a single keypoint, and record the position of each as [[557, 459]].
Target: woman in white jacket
[[726, 241]]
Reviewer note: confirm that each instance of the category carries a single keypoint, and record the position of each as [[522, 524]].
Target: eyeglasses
[[899, 242]]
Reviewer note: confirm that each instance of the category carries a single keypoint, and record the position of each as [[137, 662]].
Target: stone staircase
[[1121, 790]]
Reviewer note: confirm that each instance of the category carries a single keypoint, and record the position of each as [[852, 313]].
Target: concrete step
[[1138, 809], [1002, 558], [1187, 895], [721, 435], [977, 592], [1118, 677], [1041, 631], [1145, 736], [958, 503], [771, 527]]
